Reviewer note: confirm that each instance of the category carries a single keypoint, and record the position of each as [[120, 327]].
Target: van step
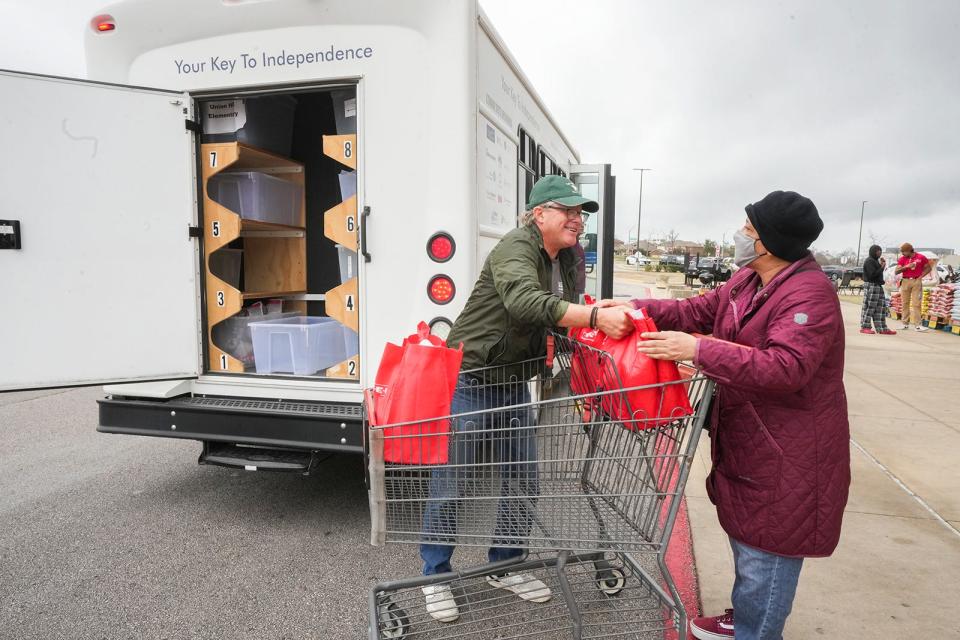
[[256, 458]]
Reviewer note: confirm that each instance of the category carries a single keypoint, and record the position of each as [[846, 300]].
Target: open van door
[[596, 182], [98, 268]]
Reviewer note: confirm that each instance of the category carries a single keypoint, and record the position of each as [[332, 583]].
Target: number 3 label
[[220, 300]]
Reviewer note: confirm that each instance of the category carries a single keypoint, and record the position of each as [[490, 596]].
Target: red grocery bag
[[638, 408], [414, 383]]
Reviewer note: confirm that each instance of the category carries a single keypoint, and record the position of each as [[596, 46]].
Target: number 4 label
[[350, 303]]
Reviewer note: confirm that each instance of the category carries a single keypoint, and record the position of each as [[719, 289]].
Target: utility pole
[[860, 235], [640, 210]]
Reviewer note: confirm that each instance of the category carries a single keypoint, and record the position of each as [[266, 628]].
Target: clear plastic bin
[[348, 263], [226, 264], [302, 346], [268, 125], [348, 185], [233, 334], [351, 342], [258, 196]]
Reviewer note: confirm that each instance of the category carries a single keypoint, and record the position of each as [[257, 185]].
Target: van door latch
[[192, 125], [193, 232]]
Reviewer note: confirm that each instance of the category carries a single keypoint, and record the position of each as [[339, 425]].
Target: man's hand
[[668, 345], [614, 322]]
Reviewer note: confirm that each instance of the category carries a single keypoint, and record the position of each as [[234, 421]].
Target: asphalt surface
[[113, 536]]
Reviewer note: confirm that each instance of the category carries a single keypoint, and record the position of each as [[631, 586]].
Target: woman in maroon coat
[[780, 436]]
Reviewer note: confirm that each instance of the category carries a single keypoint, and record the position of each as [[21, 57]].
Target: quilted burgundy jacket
[[780, 439]]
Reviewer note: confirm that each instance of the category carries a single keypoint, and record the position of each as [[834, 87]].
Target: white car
[[638, 259]]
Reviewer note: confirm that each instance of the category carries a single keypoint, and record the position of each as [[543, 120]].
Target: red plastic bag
[[638, 408], [415, 382]]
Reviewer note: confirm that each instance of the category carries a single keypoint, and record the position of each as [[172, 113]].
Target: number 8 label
[[348, 149]]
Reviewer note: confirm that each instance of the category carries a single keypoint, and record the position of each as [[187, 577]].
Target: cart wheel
[[611, 581], [393, 622]]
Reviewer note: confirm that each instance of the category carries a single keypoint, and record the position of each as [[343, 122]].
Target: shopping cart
[[556, 463]]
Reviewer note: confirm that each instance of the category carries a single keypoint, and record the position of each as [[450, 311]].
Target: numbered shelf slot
[[340, 223], [342, 148], [343, 304]]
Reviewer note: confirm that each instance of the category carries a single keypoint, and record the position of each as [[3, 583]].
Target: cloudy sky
[[842, 101]]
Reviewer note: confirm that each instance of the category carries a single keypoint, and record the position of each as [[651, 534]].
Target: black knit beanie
[[787, 223]]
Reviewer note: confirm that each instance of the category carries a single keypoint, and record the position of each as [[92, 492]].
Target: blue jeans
[[511, 444], [762, 592]]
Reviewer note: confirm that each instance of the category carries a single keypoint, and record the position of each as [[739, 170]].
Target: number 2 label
[[352, 368]]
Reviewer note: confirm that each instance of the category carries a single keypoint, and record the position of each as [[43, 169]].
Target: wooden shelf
[[257, 225], [254, 295], [239, 156]]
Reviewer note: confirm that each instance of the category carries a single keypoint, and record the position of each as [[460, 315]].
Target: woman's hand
[[668, 345]]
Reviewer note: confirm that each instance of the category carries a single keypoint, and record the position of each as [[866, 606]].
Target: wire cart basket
[[548, 457]]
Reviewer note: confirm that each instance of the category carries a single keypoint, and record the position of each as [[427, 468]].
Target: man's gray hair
[[526, 218]]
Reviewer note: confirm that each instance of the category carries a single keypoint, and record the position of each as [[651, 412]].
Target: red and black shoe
[[716, 628]]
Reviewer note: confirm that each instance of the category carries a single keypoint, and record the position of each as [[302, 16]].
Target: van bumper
[[315, 426]]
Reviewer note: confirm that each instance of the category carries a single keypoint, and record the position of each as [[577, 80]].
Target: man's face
[[907, 254], [561, 226]]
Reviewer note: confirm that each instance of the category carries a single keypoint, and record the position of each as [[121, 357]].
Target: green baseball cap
[[560, 190]]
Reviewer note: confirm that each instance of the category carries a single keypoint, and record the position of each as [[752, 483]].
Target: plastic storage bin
[[302, 346], [268, 124], [233, 334], [225, 264], [348, 185], [351, 342], [258, 196], [348, 263]]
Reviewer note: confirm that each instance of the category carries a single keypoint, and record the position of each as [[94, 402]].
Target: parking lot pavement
[[108, 536], [894, 573]]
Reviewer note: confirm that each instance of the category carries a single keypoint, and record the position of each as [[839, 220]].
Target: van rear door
[[97, 191]]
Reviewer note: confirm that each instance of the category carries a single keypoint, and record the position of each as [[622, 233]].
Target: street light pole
[[640, 210], [860, 235]]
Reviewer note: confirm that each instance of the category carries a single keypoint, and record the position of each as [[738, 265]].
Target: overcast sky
[[842, 101]]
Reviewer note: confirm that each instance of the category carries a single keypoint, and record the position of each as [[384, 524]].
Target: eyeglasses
[[570, 212]]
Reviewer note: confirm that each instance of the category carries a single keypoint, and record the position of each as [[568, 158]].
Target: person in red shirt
[[912, 267]]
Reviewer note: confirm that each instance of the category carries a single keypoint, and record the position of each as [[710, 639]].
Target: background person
[[874, 298], [528, 284], [780, 435], [912, 267]]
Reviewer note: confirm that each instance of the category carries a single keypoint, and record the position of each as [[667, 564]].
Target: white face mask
[[744, 249]]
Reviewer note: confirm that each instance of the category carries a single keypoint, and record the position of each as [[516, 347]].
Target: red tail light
[[441, 289], [441, 247], [103, 23]]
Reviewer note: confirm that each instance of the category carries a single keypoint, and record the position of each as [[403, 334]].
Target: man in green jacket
[[527, 286]]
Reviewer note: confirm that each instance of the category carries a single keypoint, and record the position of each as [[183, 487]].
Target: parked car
[[638, 258], [833, 271]]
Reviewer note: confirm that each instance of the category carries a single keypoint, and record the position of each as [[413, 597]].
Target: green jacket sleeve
[[513, 265]]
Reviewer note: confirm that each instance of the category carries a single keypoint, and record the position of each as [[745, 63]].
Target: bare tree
[[672, 237]]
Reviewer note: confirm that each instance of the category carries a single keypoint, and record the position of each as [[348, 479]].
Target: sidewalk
[[896, 573]]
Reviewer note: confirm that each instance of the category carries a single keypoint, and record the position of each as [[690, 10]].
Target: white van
[[247, 199]]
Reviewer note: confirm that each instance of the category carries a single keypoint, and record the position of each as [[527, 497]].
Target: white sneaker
[[525, 586], [905, 327], [440, 603], [920, 327]]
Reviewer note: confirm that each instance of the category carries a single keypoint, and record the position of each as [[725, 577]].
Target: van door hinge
[[192, 125], [193, 232]]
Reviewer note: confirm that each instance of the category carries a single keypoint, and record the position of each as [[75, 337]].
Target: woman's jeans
[[762, 592], [509, 437]]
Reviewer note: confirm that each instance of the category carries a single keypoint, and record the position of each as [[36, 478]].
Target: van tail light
[[441, 289], [441, 247], [103, 23], [441, 327]]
